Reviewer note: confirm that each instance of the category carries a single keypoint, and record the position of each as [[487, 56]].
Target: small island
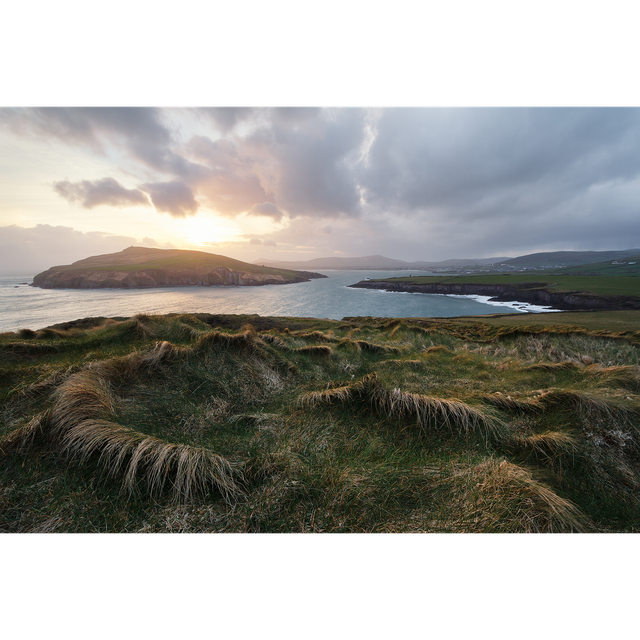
[[141, 267]]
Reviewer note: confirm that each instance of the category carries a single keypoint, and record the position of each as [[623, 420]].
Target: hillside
[[374, 263], [568, 258], [140, 267], [534, 260], [627, 266], [209, 423]]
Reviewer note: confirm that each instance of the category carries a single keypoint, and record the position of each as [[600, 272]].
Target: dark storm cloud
[[89, 194], [462, 160], [174, 198]]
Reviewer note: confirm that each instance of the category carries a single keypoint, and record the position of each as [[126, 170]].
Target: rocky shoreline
[[531, 292], [205, 276]]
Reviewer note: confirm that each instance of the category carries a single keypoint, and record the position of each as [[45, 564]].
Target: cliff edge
[[532, 292]]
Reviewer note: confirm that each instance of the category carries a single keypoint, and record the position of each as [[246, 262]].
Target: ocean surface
[[26, 307]]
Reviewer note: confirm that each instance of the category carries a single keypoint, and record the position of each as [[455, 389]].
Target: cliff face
[[175, 276], [532, 293]]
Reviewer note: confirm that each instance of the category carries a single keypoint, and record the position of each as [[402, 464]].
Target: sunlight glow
[[206, 228]]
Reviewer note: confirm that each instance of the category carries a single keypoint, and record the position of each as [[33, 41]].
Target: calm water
[[22, 306]]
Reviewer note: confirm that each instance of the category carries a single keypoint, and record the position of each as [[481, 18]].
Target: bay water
[[26, 307]]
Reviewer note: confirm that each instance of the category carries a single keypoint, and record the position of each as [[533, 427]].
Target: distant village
[[508, 268]]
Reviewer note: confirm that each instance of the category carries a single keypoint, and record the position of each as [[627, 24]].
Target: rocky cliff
[[531, 292], [202, 276]]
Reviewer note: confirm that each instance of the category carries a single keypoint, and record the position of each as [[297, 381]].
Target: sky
[[299, 183]]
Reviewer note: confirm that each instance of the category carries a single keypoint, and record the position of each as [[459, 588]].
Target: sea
[[26, 307]]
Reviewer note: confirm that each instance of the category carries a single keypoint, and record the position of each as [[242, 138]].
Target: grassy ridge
[[247, 424], [190, 259]]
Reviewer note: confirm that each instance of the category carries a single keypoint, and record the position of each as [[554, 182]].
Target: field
[[204, 423], [615, 285]]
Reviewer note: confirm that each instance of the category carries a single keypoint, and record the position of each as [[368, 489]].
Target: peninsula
[[141, 267], [562, 292]]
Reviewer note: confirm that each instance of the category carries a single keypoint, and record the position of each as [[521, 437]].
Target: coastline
[[494, 293], [156, 278]]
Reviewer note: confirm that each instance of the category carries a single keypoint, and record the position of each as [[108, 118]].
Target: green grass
[[601, 285], [185, 261], [625, 269], [197, 422]]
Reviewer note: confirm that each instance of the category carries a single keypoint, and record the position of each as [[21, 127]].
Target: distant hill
[[139, 267], [545, 259], [568, 258], [374, 263]]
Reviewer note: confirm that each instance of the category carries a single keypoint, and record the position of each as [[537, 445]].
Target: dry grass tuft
[[427, 411], [81, 397], [77, 424], [507, 403], [342, 393], [23, 438], [137, 457], [247, 342], [503, 497], [338, 395], [549, 445], [437, 349], [623, 376], [588, 405], [451, 415]]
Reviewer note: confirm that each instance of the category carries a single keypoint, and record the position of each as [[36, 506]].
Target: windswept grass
[[197, 422]]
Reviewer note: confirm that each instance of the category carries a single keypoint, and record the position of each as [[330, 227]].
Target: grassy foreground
[[208, 423]]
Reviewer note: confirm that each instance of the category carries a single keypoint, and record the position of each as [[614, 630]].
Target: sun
[[201, 229]]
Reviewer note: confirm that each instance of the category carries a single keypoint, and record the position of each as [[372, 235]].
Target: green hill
[[138, 267]]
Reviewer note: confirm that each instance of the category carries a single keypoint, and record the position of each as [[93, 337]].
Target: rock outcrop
[[531, 292]]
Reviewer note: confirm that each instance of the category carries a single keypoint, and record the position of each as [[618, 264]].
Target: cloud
[[302, 161], [232, 183], [226, 118], [311, 167], [28, 251], [270, 243], [266, 209], [255, 241], [422, 183], [107, 191], [139, 131], [174, 198]]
